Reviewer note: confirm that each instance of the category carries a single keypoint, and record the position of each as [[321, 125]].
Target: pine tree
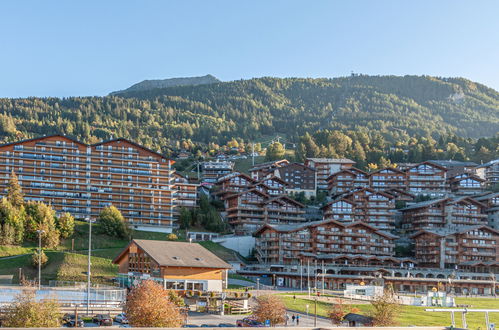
[[14, 193]]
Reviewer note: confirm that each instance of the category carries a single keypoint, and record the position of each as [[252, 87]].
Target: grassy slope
[[65, 265], [60, 266], [410, 315]]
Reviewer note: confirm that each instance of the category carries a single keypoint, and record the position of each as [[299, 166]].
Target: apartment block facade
[[427, 178], [449, 213], [213, 170], [262, 170], [467, 248], [331, 242], [299, 179], [327, 166], [83, 179], [367, 205], [186, 192], [489, 172], [387, 178], [249, 210], [347, 180]]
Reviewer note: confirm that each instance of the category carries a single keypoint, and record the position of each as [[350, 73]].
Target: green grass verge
[[240, 277], [409, 315], [219, 250]]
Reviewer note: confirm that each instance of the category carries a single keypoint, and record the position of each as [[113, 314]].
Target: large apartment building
[[347, 180], [83, 179], [331, 242], [365, 204], [262, 170], [427, 178], [214, 170], [249, 210], [449, 213], [186, 192], [489, 172], [466, 248], [327, 166], [299, 179], [387, 178]]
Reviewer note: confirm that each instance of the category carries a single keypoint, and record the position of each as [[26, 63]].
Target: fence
[[98, 297]]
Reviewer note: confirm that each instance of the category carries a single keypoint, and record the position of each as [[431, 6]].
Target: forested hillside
[[387, 108]]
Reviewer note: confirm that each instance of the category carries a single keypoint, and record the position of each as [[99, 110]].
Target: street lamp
[[89, 261], [40, 232]]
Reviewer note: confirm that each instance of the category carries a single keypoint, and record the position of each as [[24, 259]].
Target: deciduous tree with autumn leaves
[[149, 305]]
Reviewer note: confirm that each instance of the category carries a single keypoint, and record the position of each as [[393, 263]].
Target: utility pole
[[301, 276], [253, 153], [315, 311], [323, 274], [308, 277], [40, 232], [89, 262]]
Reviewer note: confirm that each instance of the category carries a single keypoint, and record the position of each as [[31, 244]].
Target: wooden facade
[[83, 179]]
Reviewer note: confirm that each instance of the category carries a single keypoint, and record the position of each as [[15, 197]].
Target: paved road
[[305, 321]]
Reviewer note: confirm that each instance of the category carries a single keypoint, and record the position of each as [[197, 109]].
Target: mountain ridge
[[169, 82]]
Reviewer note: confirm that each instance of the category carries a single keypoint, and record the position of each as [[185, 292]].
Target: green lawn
[[240, 277], [410, 315], [61, 266]]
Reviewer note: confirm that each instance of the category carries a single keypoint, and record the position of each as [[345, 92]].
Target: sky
[[92, 47]]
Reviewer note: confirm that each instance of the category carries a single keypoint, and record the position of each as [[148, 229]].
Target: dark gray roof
[[180, 254], [423, 204], [452, 163]]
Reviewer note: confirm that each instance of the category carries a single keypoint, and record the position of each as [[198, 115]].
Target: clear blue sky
[[93, 47]]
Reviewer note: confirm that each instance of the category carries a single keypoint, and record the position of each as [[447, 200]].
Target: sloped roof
[[332, 160], [177, 254]]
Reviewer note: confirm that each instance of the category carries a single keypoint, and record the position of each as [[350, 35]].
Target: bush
[[35, 257], [112, 223], [172, 237], [26, 312]]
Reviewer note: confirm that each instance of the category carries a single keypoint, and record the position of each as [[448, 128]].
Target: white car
[[121, 318]]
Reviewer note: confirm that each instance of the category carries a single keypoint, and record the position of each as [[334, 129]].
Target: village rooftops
[[292, 228], [453, 163], [446, 232], [177, 254], [332, 160], [492, 162], [436, 201]]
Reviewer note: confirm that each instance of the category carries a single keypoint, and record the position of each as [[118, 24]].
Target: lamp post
[[89, 261], [40, 232], [315, 311]]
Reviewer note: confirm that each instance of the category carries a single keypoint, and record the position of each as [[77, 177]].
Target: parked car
[[121, 318], [102, 319], [226, 325], [69, 320], [249, 322]]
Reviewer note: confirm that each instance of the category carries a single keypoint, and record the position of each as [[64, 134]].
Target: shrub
[[43, 258], [26, 312]]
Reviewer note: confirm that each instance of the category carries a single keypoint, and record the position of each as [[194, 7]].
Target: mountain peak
[[170, 82]]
